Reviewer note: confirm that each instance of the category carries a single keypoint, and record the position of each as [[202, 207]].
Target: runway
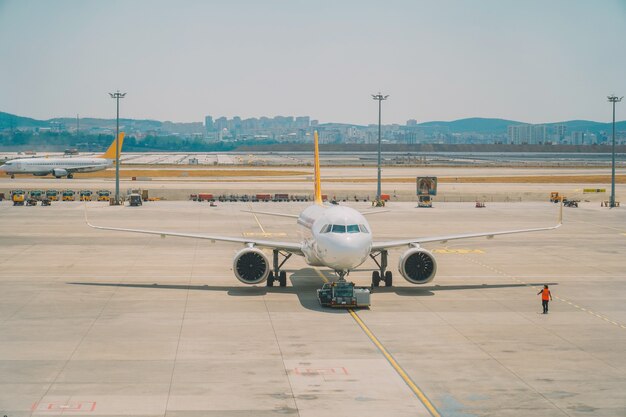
[[110, 324]]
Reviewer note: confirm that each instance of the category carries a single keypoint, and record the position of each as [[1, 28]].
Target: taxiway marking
[[586, 310], [394, 364], [259, 223]]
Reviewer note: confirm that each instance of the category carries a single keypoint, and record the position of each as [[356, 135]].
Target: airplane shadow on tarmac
[[304, 283]]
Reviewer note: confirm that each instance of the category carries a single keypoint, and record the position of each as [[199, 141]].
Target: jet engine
[[251, 266], [418, 266], [59, 172]]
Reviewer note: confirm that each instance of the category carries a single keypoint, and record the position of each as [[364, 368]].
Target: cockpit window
[[353, 228], [326, 228], [363, 228], [339, 228]]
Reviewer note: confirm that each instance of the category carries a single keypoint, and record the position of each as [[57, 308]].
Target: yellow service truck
[[103, 195], [36, 194], [85, 195], [52, 195], [68, 195], [18, 196]]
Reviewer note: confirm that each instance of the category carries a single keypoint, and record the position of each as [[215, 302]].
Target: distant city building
[[527, 134], [411, 122], [559, 133], [578, 138], [208, 124]]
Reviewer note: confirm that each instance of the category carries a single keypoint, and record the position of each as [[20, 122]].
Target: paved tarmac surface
[[97, 323]]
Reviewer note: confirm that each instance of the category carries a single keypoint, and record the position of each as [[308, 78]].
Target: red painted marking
[[321, 371], [65, 406]]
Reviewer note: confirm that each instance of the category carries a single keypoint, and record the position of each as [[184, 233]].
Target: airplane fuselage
[[337, 237], [46, 166]]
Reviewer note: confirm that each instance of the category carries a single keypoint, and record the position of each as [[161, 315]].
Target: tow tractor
[[424, 201], [343, 294]]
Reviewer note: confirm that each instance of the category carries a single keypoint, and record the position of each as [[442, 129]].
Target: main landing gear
[[276, 274], [382, 274]]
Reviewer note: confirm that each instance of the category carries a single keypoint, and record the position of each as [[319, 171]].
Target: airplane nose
[[344, 252]]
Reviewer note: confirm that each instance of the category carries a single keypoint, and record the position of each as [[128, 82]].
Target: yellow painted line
[[401, 372], [258, 222], [405, 377], [593, 313]]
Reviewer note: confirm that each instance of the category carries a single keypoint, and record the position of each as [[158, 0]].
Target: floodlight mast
[[613, 99], [117, 96], [380, 99]]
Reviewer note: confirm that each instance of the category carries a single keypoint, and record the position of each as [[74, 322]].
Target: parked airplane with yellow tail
[[62, 167], [333, 236]]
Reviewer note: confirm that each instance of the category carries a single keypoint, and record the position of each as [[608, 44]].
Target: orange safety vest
[[545, 294]]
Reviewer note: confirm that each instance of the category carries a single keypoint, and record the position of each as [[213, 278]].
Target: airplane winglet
[[316, 169]]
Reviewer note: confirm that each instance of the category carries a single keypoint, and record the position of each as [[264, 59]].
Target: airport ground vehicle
[[570, 203], [555, 197], [103, 195], [31, 201], [202, 197], [36, 194], [134, 199], [85, 195], [424, 201], [281, 197], [68, 195], [262, 197], [18, 196], [343, 294], [45, 201], [52, 195], [2, 196]]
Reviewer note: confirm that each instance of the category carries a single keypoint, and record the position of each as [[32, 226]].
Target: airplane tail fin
[[316, 164], [110, 153]]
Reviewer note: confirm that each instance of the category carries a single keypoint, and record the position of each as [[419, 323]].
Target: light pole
[[613, 99], [380, 99], [117, 96]]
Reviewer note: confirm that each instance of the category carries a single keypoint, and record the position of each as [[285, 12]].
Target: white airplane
[[335, 237], [62, 167]]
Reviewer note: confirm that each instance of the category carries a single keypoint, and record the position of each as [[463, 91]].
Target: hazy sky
[[533, 61]]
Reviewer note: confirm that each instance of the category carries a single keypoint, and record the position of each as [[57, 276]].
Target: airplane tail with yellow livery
[[110, 153], [316, 170]]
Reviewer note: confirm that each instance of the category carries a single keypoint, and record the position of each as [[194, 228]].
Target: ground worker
[[546, 296]]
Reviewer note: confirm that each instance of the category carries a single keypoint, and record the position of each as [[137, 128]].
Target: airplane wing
[[377, 246], [82, 168], [291, 247]]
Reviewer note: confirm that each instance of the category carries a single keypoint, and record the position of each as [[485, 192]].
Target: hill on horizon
[[479, 125]]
